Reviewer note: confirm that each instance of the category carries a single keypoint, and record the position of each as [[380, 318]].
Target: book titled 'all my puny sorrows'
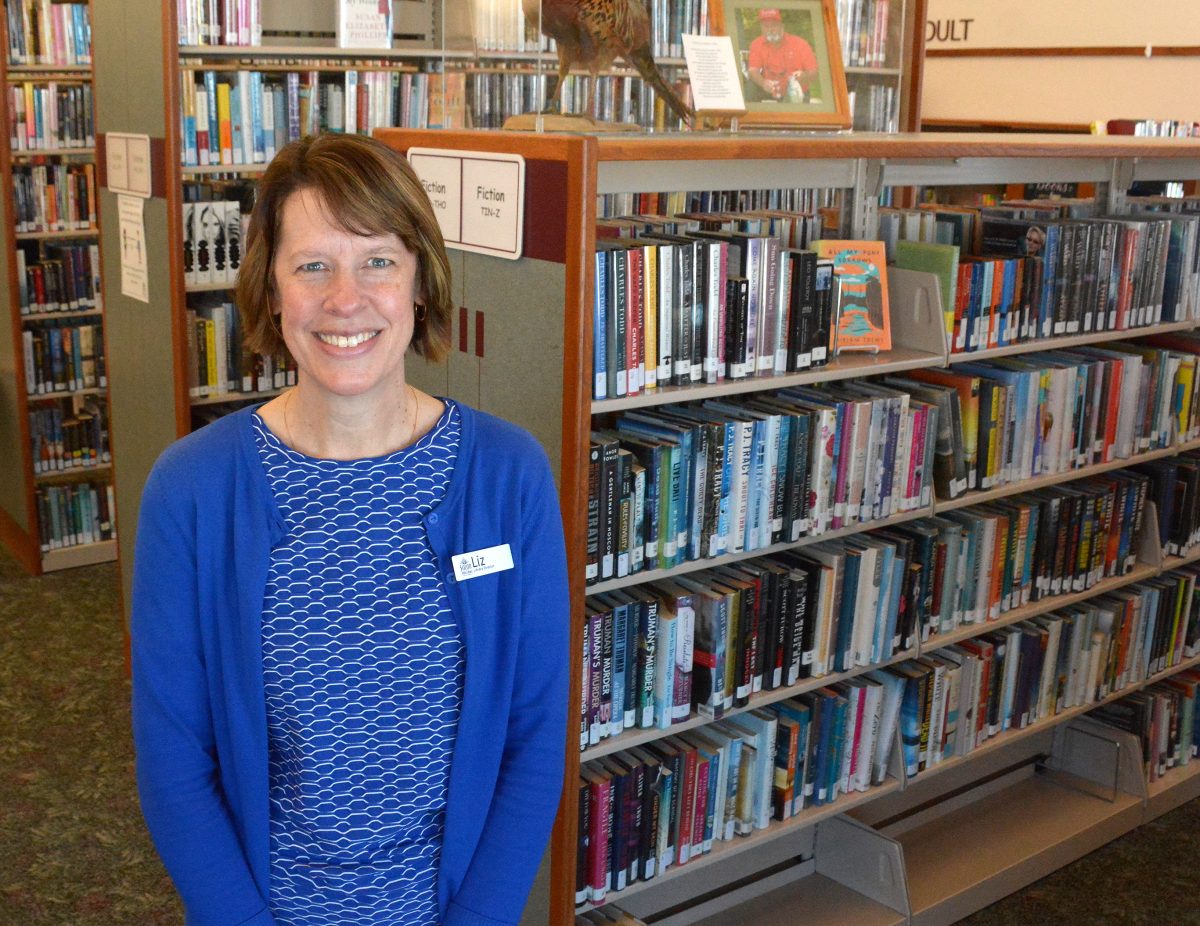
[[860, 276]]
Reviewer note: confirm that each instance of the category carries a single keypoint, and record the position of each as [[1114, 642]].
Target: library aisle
[[73, 849]]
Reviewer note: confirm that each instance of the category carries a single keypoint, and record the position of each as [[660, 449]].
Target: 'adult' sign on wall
[[478, 197]]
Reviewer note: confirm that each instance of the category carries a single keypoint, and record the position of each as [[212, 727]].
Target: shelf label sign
[[477, 196], [127, 163]]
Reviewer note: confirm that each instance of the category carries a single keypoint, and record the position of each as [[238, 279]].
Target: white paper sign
[[127, 163], [713, 73], [478, 197], [135, 281]]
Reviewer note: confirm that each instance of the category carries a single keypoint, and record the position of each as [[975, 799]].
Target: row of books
[[1164, 718], [675, 310], [863, 28], [958, 697], [73, 515], [705, 644], [58, 277], [1009, 420], [219, 364], [50, 114], [730, 206], [875, 107], [44, 32], [494, 95], [648, 809], [219, 22], [244, 117], [658, 654], [1028, 269], [212, 235], [686, 482], [1175, 491], [69, 436], [64, 355], [54, 197], [500, 25]]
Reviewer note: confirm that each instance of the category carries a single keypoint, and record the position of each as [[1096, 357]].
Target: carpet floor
[[74, 852]]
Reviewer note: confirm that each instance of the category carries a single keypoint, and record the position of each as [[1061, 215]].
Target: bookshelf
[[56, 502], [550, 308]]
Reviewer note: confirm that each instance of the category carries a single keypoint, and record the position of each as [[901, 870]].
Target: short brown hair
[[369, 189]]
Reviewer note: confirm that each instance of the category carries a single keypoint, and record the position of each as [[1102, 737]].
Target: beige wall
[[1066, 89]]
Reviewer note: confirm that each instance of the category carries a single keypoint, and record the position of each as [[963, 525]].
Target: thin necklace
[[411, 399]]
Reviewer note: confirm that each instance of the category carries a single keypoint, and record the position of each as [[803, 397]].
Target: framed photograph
[[789, 58]]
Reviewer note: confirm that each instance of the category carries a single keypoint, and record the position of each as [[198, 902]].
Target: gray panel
[[141, 370], [520, 376], [128, 37]]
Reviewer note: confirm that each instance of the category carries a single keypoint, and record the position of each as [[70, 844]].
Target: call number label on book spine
[[478, 197]]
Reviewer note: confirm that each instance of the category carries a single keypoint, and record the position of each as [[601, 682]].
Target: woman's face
[[345, 301]]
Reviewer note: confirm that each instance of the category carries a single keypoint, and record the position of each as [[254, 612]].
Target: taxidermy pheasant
[[592, 33]]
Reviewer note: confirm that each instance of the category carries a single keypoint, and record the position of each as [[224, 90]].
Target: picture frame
[[814, 97]]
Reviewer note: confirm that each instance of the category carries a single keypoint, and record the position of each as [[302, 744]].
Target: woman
[[349, 605]]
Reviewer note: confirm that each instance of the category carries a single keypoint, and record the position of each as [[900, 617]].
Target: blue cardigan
[[207, 525]]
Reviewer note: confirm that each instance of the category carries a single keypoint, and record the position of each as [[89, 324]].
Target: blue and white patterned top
[[363, 667]]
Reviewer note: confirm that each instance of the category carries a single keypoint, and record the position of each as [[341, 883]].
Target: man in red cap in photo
[[781, 64]]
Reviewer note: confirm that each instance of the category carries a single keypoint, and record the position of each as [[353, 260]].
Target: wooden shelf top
[[724, 146]]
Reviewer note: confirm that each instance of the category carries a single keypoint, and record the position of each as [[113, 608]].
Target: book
[[861, 318], [364, 23]]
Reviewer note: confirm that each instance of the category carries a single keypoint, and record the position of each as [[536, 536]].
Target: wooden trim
[[173, 180], [573, 492], [28, 553], [944, 147], [914, 67], [1111, 51], [966, 125], [25, 544]]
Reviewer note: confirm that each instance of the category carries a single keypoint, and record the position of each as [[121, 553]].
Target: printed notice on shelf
[[127, 163], [135, 281], [478, 197], [713, 74]]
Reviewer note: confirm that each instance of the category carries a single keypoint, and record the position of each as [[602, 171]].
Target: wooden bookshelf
[[20, 487], [545, 296]]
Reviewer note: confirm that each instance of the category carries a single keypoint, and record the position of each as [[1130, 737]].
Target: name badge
[[482, 562]]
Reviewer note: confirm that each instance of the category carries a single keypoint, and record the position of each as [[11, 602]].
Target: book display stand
[[56, 499], [901, 851]]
